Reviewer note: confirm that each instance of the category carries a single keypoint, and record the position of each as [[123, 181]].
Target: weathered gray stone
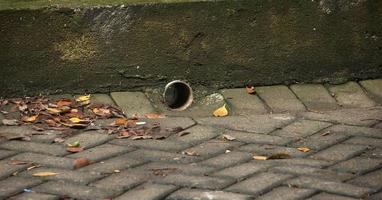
[[133, 103], [227, 159], [301, 128], [203, 182], [356, 131], [320, 140], [296, 162], [197, 134], [358, 165], [365, 141], [151, 155], [148, 191], [213, 147], [191, 194], [14, 185], [330, 186], [268, 150], [339, 152], [327, 196], [101, 99], [7, 169], [101, 152], [257, 138], [242, 103], [241, 171], [280, 99], [254, 123], [287, 193], [315, 97], [50, 149], [350, 95], [373, 87], [46, 160], [35, 196], [16, 132], [166, 168], [6, 153], [371, 180], [117, 163], [90, 139], [259, 183], [163, 145]]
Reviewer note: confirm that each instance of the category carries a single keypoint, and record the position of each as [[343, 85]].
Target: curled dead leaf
[[221, 112], [81, 162], [74, 149], [64, 102], [190, 153], [18, 162], [43, 174], [53, 111], [29, 119], [303, 149], [102, 112], [153, 116], [250, 89], [228, 137]]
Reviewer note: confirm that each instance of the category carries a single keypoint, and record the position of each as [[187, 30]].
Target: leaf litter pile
[[64, 115]]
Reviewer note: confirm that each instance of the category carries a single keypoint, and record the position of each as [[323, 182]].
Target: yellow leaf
[[75, 120], [221, 112], [42, 174], [53, 110], [83, 98], [303, 149], [260, 157], [30, 119]]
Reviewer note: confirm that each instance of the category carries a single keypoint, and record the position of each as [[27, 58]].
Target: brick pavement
[[340, 124]]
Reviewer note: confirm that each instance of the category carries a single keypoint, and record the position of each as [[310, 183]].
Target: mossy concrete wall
[[218, 44]]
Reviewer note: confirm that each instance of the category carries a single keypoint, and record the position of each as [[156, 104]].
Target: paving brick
[[15, 132], [101, 152], [14, 185], [326, 196], [213, 147], [101, 99], [253, 123], [69, 189], [191, 181], [90, 139], [320, 140], [296, 162], [357, 117], [192, 194], [365, 141], [356, 131], [197, 134], [339, 152], [373, 87], [35, 196], [166, 168], [373, 153], [376, 196], [301, 128], [47, 136], [82, 178], [133, 103], [286, 193], [246, 137], [163, 145], [268, 150], [240, 102], [241, 171], [330, 186], [311, 171], [7, 169], [172, 122], [116, 163], [280, 99], [258, 184], [151, 155], [21, 146], [148, 191], [314, 96], [379, 125], [123, 181], [6, 153], [358, 165], [227, 159], [350, 95], [370, 180], [46, 160]]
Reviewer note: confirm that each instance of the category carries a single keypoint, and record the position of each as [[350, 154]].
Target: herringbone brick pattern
[[344, 161]]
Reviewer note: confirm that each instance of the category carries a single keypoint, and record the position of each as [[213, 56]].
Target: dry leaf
[[18, 162], [250, 89], [120, 122], [153, 116], [64, 102], [83, 98], [75, 149], [53, 111], [22, 108], [124, 134], [190, 153], [81, 162], [102, 112], [183, 133], [75, 120], [142, 137], [303, 149], [228, 137], [260, 157], [10, 122], [74, 144], [42, 174], [221, 112], [325, 133], [29, 119]]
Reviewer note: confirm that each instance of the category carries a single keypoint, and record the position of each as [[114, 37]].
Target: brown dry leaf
[[228, 137], [250, 89], [53, 111], [124, 134], [29, 119], [325, 133], [141, 137], [74, 149], [64, 102], [303, 149], [22, 108], [10, 122], [83, 98], [260, 157], [18, 162], [279, 156], [75, 125], [221, 112], [102, 112], [120, 122], [190, 153], [81, 162], [43, 174], [154, 116], [75, 120]]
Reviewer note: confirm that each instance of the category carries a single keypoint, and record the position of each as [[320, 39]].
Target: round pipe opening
[[178, 95]]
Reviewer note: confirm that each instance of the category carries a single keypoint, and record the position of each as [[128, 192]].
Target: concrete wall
[[218, 44]]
